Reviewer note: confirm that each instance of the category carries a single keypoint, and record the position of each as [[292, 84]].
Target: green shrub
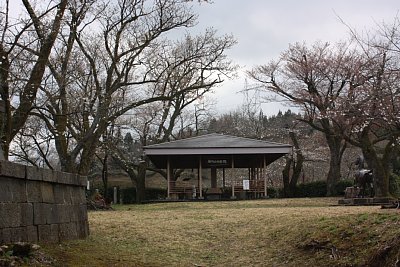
[[273, 192], [341, 186], [155, 193], [313, 189], [394, 185], [128, 195]]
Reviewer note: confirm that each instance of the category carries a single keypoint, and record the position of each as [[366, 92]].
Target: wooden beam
[[232, 178], [265, 178], [200, 180], [213, 177], [168, 178], [223, 177]]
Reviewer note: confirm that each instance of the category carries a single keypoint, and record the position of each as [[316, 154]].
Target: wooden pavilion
[[217, 151]]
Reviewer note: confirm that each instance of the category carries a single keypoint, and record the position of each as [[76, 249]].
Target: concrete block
[[64, 211], [34, 191], [77, 180], [14, 234], [26, 214], [74, 213], [39, 214], [18, 190], [58, 190], [82, 196], [362, 201], [18, 234], [83, 215], [48, 233], [32, 234], [34, 173], [5, 235], [10, 169], [6, 194], [12, 190], [383, 200], [51, 211], [10, 215], [47, 192], [66, 178], [48, 175], [82, 229], [67, 231], [78, 195], [68, 194], [74, 194]]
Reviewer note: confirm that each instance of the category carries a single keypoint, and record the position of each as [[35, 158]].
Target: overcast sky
[[265, 28]]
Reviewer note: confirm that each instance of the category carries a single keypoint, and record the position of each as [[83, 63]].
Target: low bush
[[394, 185], [312, 189], [341, 186]]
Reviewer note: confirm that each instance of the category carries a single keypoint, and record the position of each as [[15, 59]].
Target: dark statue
[[363, 178]]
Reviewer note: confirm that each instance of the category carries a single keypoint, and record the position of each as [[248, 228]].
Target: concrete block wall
[[41, 205]]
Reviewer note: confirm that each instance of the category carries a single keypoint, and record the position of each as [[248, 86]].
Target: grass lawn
[[283, 232]]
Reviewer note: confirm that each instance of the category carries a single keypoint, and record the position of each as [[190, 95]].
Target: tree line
[[349, 91], [86, 81], [73, 70]]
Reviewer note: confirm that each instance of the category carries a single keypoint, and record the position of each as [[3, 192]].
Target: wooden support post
[[265, 179], [223, 177], [233, 179], [200, 180], [168, 178], [213, 177]]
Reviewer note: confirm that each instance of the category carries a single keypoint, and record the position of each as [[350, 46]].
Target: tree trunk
[[336, 149], [298, 164], [379, 166], [104, 176], [290, 181], [141, 182], [286, 177]]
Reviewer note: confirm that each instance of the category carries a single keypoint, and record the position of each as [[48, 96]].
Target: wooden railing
[[182, 187], [257, 186]]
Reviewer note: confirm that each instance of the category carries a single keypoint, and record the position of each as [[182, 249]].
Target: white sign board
[[246, 184]]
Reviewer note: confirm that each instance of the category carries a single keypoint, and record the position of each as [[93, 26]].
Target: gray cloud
[[264, 29]]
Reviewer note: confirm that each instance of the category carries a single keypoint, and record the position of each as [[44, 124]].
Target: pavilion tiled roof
[[216, 141]]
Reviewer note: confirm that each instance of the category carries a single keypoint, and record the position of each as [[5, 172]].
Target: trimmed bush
[[341, 186], [155, 193], [273, 192], [313, 189], [394, 185], [128, 195]]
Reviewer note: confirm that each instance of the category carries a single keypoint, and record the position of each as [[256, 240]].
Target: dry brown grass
[[240, 233]]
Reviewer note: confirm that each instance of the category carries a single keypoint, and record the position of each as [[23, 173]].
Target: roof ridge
[[251, 139], [230, 138], [178, 140]]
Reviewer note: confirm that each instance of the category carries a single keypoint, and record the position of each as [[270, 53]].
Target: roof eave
[[216, 151]]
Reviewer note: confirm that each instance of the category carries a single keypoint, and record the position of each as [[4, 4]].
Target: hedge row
[[312, 189]]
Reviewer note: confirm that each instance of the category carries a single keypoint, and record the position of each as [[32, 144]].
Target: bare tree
[[293, 167], [106, 72], [25, 47], [313, 78], [370, 111], [186, 71]]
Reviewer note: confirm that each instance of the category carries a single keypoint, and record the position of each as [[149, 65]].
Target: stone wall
[[41, 205]]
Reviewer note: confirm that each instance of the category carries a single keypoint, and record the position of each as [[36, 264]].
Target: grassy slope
[[294, 232]]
